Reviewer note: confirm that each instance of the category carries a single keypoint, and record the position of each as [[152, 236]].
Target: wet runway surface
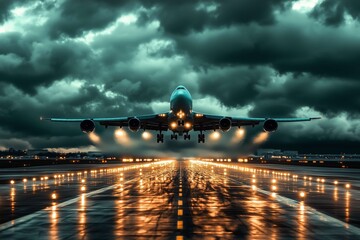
[[179, 200]]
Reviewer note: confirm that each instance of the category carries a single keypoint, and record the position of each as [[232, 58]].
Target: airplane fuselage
[[181, 117]]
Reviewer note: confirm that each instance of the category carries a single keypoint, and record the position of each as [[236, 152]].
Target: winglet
[[42, 118]]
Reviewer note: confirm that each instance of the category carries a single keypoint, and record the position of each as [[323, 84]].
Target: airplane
[[180, 119]]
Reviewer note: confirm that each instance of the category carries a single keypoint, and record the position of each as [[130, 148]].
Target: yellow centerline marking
[[180, 212], [180, 224]]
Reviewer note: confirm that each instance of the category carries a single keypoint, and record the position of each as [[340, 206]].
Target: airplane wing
[[156, 122], [204, 122]]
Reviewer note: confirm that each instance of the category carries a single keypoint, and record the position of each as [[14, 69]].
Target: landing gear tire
[[201, 138], [187, 136], [160, 138], [173, 136]]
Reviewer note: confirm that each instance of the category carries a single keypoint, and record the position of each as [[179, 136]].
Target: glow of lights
[[187, 125], [173, 125], [34, 179], [261, 137], [273, 180], [274, 188], [254, 180], [121, 136], [273, 194], [253, 187], [238, 136], [53, 196], [12, 182], [240, 133], [146, 135], [24, 180], [215, 136], [83, 188], [347, 185], [302, 194], [336, 182], [82, 180], [94, 137]]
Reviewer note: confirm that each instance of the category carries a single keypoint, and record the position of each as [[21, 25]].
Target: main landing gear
[[160, 137], [201, 138], [173, 136], [187, 136]]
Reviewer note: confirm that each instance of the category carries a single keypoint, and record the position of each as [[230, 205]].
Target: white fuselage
[[181, 116]]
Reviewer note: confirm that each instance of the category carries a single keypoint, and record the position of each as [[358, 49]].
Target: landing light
[[187, 125], [146, 135], [215, 136], [173, 125]]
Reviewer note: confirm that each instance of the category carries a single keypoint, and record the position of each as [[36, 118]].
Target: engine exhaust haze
[[215, 136], [261, 137], [121, 137], [239, 135], [146, 135], [94, 137]]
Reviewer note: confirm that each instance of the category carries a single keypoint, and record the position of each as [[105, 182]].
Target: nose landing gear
[[187, 136]]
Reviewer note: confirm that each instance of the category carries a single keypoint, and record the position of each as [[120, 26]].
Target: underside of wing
[[203, 122], [156, 122]]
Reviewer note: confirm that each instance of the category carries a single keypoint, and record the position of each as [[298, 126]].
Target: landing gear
[[187, 136], [201, 138], [160, 137], [173, 136]]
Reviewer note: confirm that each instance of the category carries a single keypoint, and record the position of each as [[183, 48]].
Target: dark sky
[[107, 58]]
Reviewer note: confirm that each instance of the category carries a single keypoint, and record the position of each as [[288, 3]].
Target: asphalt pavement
[[179, 200]]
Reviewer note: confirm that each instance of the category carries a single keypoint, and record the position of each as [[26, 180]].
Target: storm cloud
[[237, 57]]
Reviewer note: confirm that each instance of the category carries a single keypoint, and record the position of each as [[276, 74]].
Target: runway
[[179, 200]]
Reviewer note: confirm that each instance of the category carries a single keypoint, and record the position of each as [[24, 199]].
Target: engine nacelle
[[270, 125], [134, 124], [225, 124], [87, 126]]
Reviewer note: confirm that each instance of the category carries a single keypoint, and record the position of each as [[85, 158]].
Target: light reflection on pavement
[[179, 200]]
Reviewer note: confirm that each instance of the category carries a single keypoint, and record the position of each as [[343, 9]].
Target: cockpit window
[[180, 88]]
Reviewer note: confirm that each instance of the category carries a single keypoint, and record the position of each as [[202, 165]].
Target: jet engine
[[225, 124], [87, 126], [270, 125], [134, 124]]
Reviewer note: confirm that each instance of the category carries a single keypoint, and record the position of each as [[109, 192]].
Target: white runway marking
[[296, 204], [31, 216]]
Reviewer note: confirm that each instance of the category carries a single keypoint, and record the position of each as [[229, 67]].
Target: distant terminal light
[[302, 194], [53, 196]]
